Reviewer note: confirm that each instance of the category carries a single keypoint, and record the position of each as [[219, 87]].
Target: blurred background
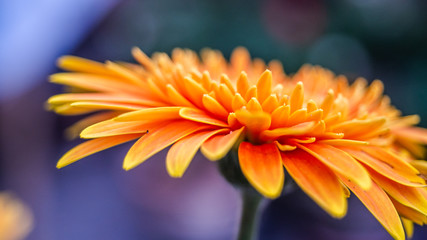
[[96, 199]]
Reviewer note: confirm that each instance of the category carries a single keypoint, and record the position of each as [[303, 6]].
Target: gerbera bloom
[[332, 137], [15, 218]]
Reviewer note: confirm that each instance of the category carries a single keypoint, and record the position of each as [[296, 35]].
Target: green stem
[[249, 218]]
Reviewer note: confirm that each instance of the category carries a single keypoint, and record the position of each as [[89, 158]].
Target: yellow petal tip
[[175, 174], [174, 171], [271, 195], [211, 155], [135, 50], [61, 60], [338, 213]]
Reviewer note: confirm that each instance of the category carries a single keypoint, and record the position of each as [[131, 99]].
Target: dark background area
[[96, 199]]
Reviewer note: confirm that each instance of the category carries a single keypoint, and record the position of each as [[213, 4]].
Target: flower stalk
[[249, 222]]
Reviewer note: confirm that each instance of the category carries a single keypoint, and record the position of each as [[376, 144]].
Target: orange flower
[[331, 136], [16, 220]]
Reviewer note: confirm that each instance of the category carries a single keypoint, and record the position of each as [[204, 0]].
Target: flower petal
[[92, 146], [176, 97], [96, 83], [254, 121], [339, 161], [420, 165], [201, 117], [111, 128], [125, 74], [317, 180], [183, 151], [380, 205], [264, 85], [387, 156], [100, 97], [280, 116], [413, 133], [218, 146], [408, 196], [262, 166], [284, 147], [150, 114], [409, 227], [297, 117], [74, 130], [296, 130], [238, 102], [78, 64], [194, 91], [214, 107], [344, 142], [242, 84], [157, 140], [403, 175], [414, 147], [297, 97], [270, 103], [410, 213], [67, 109], [97, 106], [359, 128], [224, 96]]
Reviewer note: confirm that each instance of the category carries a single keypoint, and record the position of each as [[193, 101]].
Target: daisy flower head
[[331, 136]]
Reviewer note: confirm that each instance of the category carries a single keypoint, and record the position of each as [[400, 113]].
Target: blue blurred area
[[95, 198]]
